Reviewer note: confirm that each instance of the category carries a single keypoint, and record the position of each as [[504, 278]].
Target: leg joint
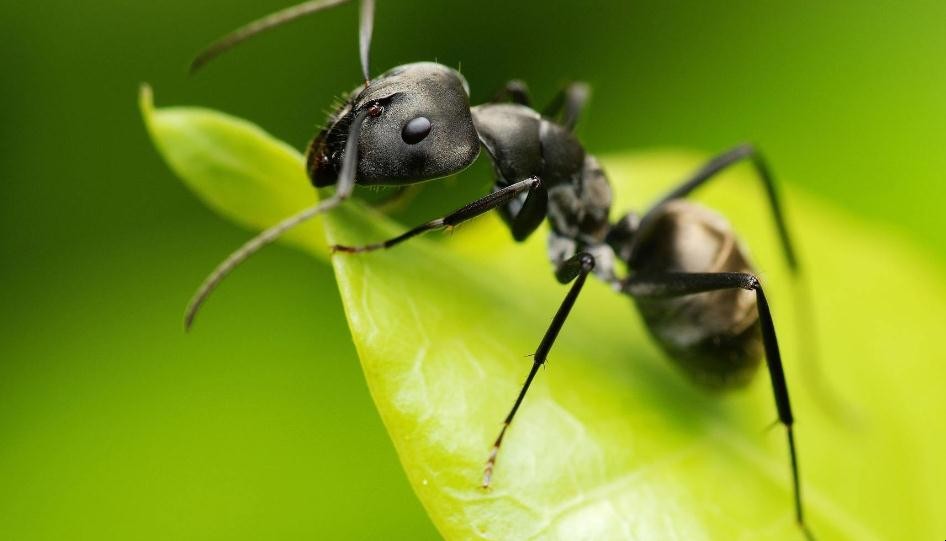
[[587, 262], [574, 266], [751, 282]]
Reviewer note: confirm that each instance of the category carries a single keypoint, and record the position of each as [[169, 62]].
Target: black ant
[[688, 276]]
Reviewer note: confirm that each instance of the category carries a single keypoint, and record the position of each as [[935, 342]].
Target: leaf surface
[[612, 442]]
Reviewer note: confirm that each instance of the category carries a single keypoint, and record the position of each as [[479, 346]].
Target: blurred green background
[[114, 424]]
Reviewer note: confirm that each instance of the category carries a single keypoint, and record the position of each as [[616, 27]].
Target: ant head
[[417, 127]]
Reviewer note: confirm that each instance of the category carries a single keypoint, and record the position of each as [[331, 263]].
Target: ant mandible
[[693, 285]]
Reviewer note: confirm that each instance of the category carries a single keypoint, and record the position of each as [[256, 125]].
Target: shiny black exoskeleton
[[682, 264]]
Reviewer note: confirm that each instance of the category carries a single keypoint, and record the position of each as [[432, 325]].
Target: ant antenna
[[343, 189], [282, 17], [365, 29]]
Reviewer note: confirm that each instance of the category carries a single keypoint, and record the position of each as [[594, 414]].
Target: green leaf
[[236, 168], [612, 442]]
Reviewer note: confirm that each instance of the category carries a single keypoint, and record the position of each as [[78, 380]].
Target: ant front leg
[[672, 284], [516, 91], [575, 268], [472, 210]]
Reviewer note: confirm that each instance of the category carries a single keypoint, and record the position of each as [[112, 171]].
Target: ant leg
[[827, 396], [515, 91], [575, 268], [472, 210], [569, 102], [525, 216], [709, 171], [680, 284]]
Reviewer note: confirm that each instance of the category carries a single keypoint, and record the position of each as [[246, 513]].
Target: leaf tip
[[146, 103], [145, 97]]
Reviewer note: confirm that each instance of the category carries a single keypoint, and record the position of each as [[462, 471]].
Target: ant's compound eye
[[416, 130], [375, 110]]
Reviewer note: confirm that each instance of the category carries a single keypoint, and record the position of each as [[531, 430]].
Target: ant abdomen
[[713, 336]]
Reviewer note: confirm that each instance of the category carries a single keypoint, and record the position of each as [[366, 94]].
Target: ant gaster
[[688, 276]]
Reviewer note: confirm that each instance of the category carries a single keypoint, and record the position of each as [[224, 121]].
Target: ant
[[688, 276]]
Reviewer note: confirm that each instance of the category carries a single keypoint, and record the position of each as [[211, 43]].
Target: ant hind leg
[[672, 284]]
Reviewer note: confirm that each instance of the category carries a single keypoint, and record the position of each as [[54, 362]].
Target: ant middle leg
[[569, 103], [575, 268], [482, 205], [673, 284]]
